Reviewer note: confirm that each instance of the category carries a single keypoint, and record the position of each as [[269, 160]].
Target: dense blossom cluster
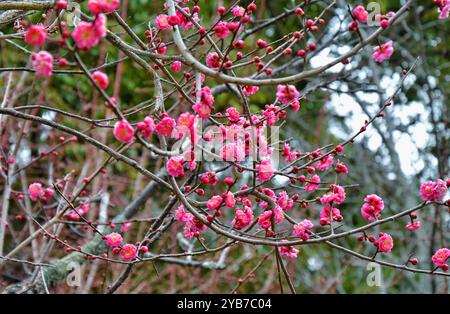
[[239, 138]]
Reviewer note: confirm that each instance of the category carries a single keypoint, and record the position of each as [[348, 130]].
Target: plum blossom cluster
[[88, 34], [182, 19], [237, 136], [441, 257], [127, 251], [205, 106], [78, 214], [42, 63], [36, 192], [288, 251], [383, 51], [192, 225], [433, 191], [106, 6], [372, 207], [384, 243]]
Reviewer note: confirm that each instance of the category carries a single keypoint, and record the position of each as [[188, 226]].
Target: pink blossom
[[233, 114], [287, 94], [443, 8], [165, 126], [161, 49], [232, 133], [42, 63], [101, 79], [206, 96], [230, 200], [233, 27], [109, 6], [185, 21], [243, 218], [94, 6], [87, 35], [284, 201], [35, 191], [125, 227], [181, 215], [265, 171], [175, 166], [221, 30], [288, 252], [369, 213], [249, 90], [413, 225], [443, 13], [360, 14], [202, 109], [191, 164], [375, 201], [233, 152], [271, 115], [440, 257], [100, 25], [49, 192], [325, 163], [205, 106], [264, 219], [209, 178], [288, 154], [123, 131], [35, 35], [312, 184], [213, 60], [185, 123], [301, 229], [214, 202], [176, 66], [341, 168], [329, 213], [261, 43], [433, 191], [128, 252], [383, 52], [74, 215], [295, 105], [385, 243], [192, 226], [270, 193], [238, 11], [392, 13], [278, 214], [162, 22], [114, 239], [147, 127], [173, 20], [371, 209], [336, 195]]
